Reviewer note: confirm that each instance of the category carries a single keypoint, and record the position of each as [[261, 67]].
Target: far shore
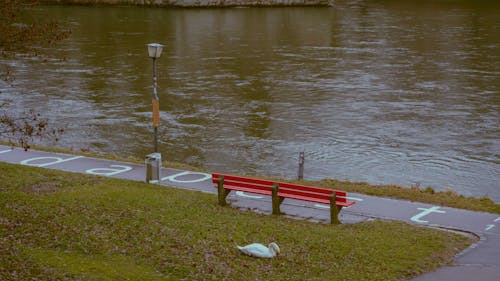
[[198, 3]]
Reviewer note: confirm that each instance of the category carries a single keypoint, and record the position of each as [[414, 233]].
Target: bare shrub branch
[[25, 128]]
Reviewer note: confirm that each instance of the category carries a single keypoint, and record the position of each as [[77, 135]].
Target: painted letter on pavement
[[109, 171], [434, 209]]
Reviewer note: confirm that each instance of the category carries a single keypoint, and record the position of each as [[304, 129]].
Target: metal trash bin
[[153, 166]]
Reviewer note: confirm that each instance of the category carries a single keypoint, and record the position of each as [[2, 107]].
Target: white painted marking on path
[[434, 209], [172, 178], [489, 226], [5, 151], [354, 198], [326, 206], [322, 206], [57, 161], [243, 194], [108, 171]]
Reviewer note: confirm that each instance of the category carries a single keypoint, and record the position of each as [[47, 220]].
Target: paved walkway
[[480, 262]]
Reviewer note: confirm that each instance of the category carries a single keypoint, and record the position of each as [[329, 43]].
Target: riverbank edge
[[448, 198], [197, 3]]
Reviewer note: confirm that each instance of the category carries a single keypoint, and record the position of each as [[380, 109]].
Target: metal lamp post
[[154, 51], [153, 160]]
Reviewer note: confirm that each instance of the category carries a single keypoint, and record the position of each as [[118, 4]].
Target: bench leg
[[276, 200], [334, 214], [334, 210], [221, 192]]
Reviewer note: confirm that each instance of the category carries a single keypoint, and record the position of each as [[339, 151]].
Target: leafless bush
[[24, 128]]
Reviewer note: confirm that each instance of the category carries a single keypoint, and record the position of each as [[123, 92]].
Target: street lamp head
[[154, 50]]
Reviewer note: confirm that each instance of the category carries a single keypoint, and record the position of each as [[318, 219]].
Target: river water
[[387, 92]]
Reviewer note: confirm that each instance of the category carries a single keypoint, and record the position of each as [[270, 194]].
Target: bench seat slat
[[250, 190], [304, 198], [319, 196], [315, 200]]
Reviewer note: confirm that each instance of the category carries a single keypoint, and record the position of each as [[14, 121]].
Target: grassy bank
[[62, 226]]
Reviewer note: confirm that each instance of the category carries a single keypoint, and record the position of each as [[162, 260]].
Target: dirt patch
[[42, 188]]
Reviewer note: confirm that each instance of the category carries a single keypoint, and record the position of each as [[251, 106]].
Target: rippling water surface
[[377, 91]]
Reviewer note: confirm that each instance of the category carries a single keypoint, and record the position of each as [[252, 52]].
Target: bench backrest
[[311, 191], [264, 185], [284, 188]]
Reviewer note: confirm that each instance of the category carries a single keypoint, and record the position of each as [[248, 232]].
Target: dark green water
[[379, 91]]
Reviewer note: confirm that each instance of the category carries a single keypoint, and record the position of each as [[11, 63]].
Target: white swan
[[261, 251]]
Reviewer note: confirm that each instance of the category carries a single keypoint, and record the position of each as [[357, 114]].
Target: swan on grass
[[260, 251]]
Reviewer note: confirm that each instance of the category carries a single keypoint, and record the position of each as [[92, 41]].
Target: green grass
[[101, 267], [63, 226]]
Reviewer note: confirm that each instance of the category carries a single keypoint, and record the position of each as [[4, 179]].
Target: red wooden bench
[[281, 190]]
